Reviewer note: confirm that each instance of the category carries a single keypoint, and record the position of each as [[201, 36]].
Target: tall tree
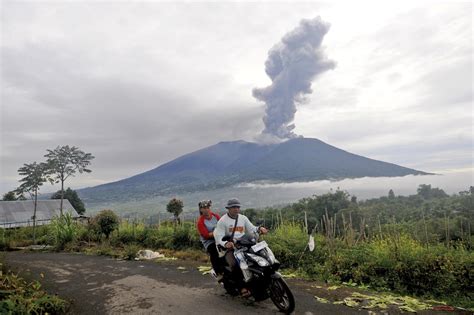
[[73, 198], [65, 161], [35, 174]]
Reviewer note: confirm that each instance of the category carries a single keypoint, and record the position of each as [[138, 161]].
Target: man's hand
[[229, 245], [262, 230]]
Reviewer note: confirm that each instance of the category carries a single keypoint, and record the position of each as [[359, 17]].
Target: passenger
[[206, 224]]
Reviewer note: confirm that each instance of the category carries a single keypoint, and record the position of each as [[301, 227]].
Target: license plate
[[259, 246]]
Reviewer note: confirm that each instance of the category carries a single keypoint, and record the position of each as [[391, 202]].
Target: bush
[[106, 222], [131, 232], [288, 242], [178, 236], [130, 251]]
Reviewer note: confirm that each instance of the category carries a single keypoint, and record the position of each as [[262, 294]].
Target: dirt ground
[[103, 285]]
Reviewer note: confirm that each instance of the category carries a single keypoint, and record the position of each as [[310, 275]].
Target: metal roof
[[19, 213]]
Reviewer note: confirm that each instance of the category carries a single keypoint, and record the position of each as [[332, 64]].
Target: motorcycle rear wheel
[[281, 296]]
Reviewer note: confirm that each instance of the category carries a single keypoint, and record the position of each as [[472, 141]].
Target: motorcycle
[[258, 267]]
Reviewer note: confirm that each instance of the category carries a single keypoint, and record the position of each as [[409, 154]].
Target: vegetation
[[18, 296], [175, 206], [430, 216], [105, 222], [73, 198], [64, 230], [64, 162], [12, 196], [34, 176], [418, 245]]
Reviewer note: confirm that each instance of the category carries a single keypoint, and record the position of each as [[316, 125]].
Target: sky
[[138, 84]]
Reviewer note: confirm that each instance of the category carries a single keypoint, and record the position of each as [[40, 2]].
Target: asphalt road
[[102, 285]]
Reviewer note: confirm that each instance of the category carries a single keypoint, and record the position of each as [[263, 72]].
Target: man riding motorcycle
[[231, 227]]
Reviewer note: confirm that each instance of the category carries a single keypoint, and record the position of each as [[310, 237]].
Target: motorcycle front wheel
[[281, 296]]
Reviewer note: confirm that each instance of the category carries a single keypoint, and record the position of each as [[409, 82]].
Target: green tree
[[9, 196], [34, 176], [175, 206], [65, 161], [73, 198], [391, 194], [427, 192], [107, 221]]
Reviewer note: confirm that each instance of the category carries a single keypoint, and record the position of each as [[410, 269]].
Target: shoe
[[220, 278]]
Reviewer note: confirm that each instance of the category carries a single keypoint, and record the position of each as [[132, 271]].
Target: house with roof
[[20, 213]]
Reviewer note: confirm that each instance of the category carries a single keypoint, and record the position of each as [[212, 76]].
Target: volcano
[[229, 163]]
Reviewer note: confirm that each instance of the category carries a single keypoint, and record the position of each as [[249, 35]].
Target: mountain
[[229, 163]]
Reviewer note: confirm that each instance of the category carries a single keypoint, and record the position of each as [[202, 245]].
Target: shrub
[[288, 241], [179, 236], [130, 251], [131, 232], [106, 221]]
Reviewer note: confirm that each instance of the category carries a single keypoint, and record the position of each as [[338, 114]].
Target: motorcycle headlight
[[262, 262]]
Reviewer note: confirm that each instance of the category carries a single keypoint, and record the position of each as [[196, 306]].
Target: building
[[19, 213]]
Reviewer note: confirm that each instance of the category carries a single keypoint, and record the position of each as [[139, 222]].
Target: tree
[[65, 161], [175, 206], [9, 196], [34, 176], [427, 192], [391, 194], [107, 221], [73, 198]]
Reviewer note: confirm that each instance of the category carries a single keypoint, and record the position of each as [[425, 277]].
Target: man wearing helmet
[[206, 224]]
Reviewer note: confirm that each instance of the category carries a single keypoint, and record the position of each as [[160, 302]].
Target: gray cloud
[[292, 65], [142, 83], [128, 124]]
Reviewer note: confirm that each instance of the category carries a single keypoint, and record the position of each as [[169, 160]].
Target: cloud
[[292, 65], [139, 84]]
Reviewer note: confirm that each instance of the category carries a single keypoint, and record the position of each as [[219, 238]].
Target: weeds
[[18, 296]]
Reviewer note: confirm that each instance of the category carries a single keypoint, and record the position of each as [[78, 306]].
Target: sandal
[[244, 292]]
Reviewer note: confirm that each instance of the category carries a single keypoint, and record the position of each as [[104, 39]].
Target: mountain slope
[[229, 163]]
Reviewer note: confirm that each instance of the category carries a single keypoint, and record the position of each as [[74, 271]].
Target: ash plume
[[292, 65]]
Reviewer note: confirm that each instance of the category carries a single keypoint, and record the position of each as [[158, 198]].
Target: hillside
[[229, 163]]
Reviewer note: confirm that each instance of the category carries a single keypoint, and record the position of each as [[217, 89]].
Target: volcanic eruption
[[292, 65]]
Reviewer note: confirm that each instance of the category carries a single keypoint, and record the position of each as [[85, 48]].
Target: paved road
[[102, 285]]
